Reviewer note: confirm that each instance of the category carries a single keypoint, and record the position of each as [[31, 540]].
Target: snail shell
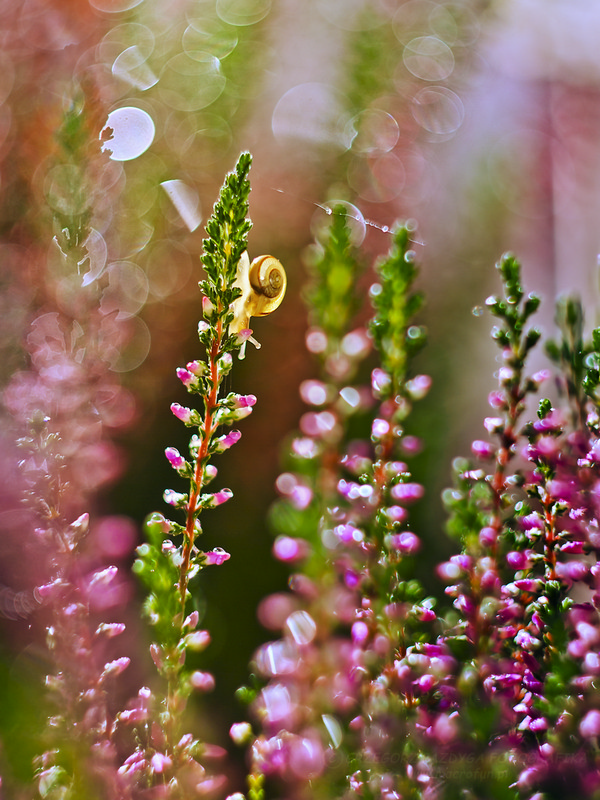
[[263, 283], [268, 279]]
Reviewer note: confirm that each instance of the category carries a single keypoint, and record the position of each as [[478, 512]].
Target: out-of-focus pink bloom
[[182, 413], [290, 549], [216, 557], [225, 442], [202, 681], [174, 457], [407, 492]]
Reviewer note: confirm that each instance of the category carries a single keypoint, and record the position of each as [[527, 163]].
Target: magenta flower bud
[[197, 368], [203, 681], [380, 380], [197, 641], [116, 667], [102, 578], [208, 308], [488, 537], [289, 549], [191, 621], [188, 379], [406, 542], [218, 498], [182, 413], [301, 496], [426, 682], [464, 561], [360, 633], [174, 498], [225, 442], [418, 386], [517, 560], [483, 450], [572, 571], [216, 557], [110, 629], [241, 733], [313, 393], [448, 571], [316, 340], [531, 522], [541, 376], [396, 513], [160, 762], [407, 492], [203, 327], [589, 727], [576, 548], [493, 424], [532, 585], [224, 364], [379, 428], [174, 457], [157, 655]]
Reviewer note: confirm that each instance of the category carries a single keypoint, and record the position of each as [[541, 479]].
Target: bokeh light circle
[[243, 12], [377, 180], [349, 15], [323, 217], [428, 58], [208, 36], [373, 131], [313, 112], [189, 84], [114, 6], [127, 290], [438, 110], [132, 133]]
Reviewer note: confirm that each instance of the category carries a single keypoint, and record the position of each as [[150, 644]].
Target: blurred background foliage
[[476, 118]]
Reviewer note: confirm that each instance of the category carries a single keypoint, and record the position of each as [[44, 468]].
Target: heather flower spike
[[171, 557]]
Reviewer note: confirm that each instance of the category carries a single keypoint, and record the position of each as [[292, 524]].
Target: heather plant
[[61, 408], [371, 689], [331, 715], [164, 757]]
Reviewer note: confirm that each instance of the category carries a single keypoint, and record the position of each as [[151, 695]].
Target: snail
[[263, 283]]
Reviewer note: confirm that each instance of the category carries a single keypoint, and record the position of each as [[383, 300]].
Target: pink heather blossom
[[289, 549], [216, 557], [197, 368], [173, 498], [589, 727], [225, 442], [380, 380], [160, 763], [313, 393], [102, 578], [197, 641], [493, 424], [116, 667], [396, 513], [174, 457], [208, 307], [240, 732], [379, 428], [188, 379], [360, 633], [203, 681], [406, 542], [482, 450], [407, 492], [182, 413], [488, 536], [419, 386]]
